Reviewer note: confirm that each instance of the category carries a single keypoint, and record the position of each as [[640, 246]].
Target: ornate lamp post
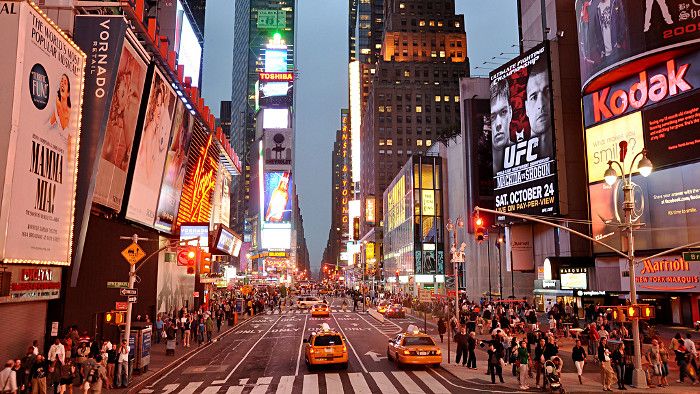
[[611, 177]]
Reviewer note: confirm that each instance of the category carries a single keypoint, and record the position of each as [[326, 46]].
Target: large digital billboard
[[603, 143], [667, 202], [42, 98], [150, 160], [175, 166], [275, 94], [120, 130], [275, 60], [278, 197], [613, 31], [522, 135], [278, 145], [187, 46]]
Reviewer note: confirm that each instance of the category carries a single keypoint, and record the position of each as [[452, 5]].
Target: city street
[[264, 355]]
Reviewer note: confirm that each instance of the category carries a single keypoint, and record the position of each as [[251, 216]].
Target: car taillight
[[406, 352], [439, 352], [311, 350], [345, 349]]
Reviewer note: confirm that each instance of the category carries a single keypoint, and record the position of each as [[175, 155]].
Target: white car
[[304, 302]]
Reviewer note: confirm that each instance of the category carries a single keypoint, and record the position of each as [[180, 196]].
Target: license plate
[[329, 350], [422, 353]]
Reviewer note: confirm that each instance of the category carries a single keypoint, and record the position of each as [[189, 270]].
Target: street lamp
[[645, 167]]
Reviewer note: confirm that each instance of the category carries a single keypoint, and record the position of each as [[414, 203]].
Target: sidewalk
[[161, 364], [569, 379]]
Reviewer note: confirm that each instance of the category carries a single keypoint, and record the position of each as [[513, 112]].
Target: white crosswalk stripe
[[235, 390], [431, 382], [310, 384], [333, 383], [359, 384], [285, 385], [383, 383], [191, 387], [408, 383], [211, 390]]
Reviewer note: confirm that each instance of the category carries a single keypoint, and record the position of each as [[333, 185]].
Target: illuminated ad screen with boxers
[[658, 108], [611, 31], [522, 135]]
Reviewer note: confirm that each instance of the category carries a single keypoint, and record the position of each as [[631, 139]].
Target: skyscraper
[[413, 98]]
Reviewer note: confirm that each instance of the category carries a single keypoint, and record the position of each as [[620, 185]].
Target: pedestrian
[[187, 325], [123, 365], [523, 359], [66, 377], [462, 346], [38, 374], [539, 363], [618, 362], [209, 327], [8, 378], [442, 328], [471, 344], [653, 356], [20, 376], [200, 332], [607, 374], [692, 352], [57, 352], [159, 329], [495, 363], [682, 361], [111, 366], [578, 354]]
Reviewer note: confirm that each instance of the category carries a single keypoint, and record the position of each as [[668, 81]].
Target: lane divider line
[[301, 344], [347, 340]]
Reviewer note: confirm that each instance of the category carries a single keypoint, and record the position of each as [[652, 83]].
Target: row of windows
[[409, 130], [419, 97], [417, 108], [433, 54], [408, 119], [431, 23], [390, 142], [433, 43]]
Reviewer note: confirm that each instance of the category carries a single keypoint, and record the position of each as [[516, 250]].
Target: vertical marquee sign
[[345, 176]]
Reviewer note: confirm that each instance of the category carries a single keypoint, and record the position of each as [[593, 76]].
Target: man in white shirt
[[8, 379], [690, 347], [57, 350], [35, 347], [123, 365]]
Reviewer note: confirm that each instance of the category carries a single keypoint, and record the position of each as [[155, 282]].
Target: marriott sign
[[673, 77]]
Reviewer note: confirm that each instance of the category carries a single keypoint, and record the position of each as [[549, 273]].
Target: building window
[[456, 99], [419, 109], [442, 53], [406, 73], [402, 5], [438, 99], [428, 142], [381, 142], [447, 99], [389, 152], [457, 24], [421, 23], [439, 23], [388, 108], [432, 23], [380, 108], [419, 142], [381, 151], [389, 142]]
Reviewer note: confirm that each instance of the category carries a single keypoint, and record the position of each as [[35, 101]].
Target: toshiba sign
[[671, 78]]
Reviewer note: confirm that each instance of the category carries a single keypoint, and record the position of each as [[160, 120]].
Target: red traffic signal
[[479, 230]]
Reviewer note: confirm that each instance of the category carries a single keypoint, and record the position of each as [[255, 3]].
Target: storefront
[[549, 292]]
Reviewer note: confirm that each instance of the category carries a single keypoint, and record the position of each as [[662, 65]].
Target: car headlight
[[439, 352]]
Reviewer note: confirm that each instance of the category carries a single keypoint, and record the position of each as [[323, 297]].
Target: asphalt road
[[264, 355]]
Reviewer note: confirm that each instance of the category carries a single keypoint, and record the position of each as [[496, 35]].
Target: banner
[[278, 197], [522, 135], [42, 134], [120, 129], [150, 160], [520, 247], [612, 31], [175, 166]]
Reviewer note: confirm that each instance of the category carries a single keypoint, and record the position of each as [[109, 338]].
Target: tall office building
[[413, 98], [255, 22]]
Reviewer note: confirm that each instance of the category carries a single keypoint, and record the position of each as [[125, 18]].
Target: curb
[[186, 356]]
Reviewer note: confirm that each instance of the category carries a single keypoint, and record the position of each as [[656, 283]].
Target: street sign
[[131, 299], [128, 292], [691, 256], [117, 285], [133, 253], [121, 306], [195, 294], [424, 295]]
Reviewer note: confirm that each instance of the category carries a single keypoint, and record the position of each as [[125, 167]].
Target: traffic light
[[204, 262], [618, 314], [648, 312], [191, 258], [115, 317], [356, 229], [633, 311], [479, 228]]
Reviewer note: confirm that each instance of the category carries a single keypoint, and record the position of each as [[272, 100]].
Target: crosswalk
[[395, 382], [301, 311]]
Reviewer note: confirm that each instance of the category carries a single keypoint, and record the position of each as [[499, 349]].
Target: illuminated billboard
[[276, 237], [42, 80], [395, 207], [275, 94], [355, 118], [278, 145], [152, 152], [228, 242], [612, 31], [278, 197], [573, 278], [197, 234], [275, 60], [602, 143], [522, 135], [187, 46], [275, 118], [200, 177], [272, 19]]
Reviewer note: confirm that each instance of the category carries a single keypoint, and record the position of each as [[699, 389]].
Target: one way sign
[[128, 292]]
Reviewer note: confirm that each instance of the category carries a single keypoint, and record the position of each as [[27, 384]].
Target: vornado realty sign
[[670, 273], [663, 81], [40, 115]]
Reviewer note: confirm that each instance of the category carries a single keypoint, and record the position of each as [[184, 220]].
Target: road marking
[[301, 345], [169, 388], [242, 382], [333, 383], [474, 388], [262, 389], [359, 384], [211, 390], [372, 325], [407, 382], [246, 355], [310, 384], [235, 390], [191, 387], [285, 385], [383, 383], [431, 382], [265, 380], [347, 340]]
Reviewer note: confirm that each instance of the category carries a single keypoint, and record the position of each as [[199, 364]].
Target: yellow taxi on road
[[325, 347], [320, 310], [382, 307], [415, 348]]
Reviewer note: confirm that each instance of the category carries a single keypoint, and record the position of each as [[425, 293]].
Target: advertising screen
[[574, 278], [175, 166], [150, 159], [278, 147], [667, 202], [41, 119], [671, 131], [522, 135], [278, 197], [197, 233], [275, 118], [276, 238], [200, 177], [611, 31], [275, 94], [120, 130], [275, 60], [228, 242], [602, 144], [188, 48]]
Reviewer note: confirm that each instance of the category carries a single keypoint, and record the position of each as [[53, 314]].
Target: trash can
[[140, 347]]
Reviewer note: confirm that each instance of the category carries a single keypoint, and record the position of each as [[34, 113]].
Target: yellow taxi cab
[[382, 307], [320, 310], [415, 348], [325, 347]]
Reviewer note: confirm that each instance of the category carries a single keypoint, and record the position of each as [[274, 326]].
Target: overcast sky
[[322, 91]]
